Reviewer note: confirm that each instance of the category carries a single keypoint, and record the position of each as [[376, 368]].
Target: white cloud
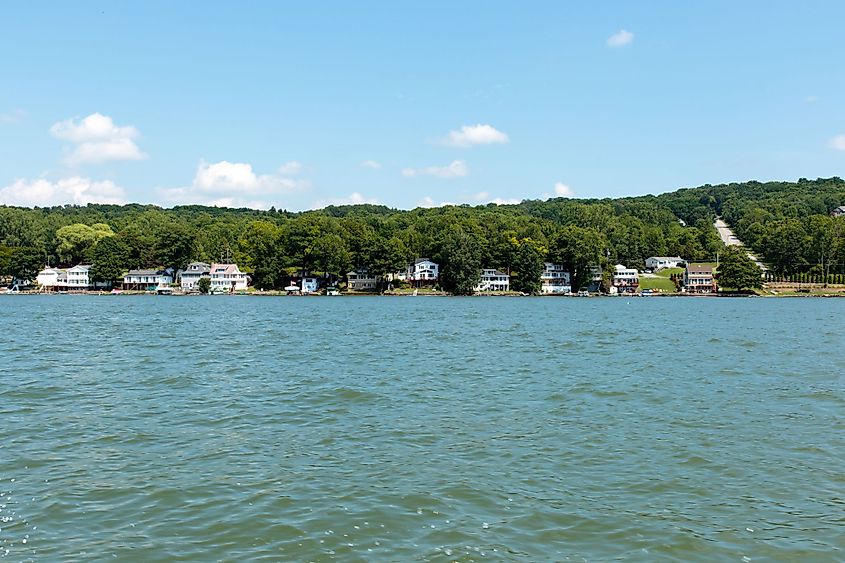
[[291, 168], [73, 190], [620, 39], [233, 184], [355, 198], [456, 169], [562, 190], [509, 201], [428, 202], [838, 142], [12, 116], [811, 99], [371, 164], [472, 135], [97, 139], [481, 196]]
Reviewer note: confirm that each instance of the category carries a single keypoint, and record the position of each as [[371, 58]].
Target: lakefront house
[[699, 278], [493, 280], [52, 279], [188, 279], [422, 272], [555, 279], [79, 279], [660, 262], [147, 280], [360, 280], [227, 278], [626, 280]]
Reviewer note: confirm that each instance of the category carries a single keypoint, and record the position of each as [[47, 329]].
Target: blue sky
[[299, 105]]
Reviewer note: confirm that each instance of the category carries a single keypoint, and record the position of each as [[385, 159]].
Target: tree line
[[272, 245]]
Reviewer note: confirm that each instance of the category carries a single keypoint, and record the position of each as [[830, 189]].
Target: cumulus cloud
[[97, 139], [233, 184], [371, 164], [838, 142], [355, 198], [563, 190], [620, 39], [456, 169], [472, 135], [13, 116], [74, 190]]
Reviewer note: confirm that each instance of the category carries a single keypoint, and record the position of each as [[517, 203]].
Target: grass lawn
[[666, 272], [665, 285]]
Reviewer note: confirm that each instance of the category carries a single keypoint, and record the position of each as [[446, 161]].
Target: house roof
[[225, 269], [699, 268], [676, 258], [144, 272], [419, 260], [84, 267], [492, 272]]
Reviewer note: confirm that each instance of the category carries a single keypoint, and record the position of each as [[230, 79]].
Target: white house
[[189, 277], [361, 280], [227, 278], [423, 272], [79, 279], [52, 278], [839, 211], [555, 279], [493, 280], [147, 280], [661, 262], [626, 279]]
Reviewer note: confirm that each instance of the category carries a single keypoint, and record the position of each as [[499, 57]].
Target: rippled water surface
[[399, 429]]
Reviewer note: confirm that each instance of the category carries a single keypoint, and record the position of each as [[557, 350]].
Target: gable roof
[[225, 269]]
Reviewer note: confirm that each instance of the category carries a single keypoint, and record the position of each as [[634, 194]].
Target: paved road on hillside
[[729, 238]]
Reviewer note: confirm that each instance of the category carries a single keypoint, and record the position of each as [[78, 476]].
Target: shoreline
[[733, 295]]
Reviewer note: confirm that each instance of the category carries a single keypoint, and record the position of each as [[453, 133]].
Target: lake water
[[401, 429]]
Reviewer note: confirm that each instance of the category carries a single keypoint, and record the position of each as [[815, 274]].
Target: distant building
[[555, 279], [699, 278], [361, 280], [79, 279], [188, 279], [839, 211], [626, 280], [422, 272], [52, 279], [493, 280], [227, 278], [147, 280], [661, 262]]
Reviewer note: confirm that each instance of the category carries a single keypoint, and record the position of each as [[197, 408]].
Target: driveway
[[729, 238]]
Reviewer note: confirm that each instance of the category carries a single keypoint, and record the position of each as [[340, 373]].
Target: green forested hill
[[787, 223]]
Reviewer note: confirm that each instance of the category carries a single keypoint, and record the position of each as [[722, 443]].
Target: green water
[[416, 429]]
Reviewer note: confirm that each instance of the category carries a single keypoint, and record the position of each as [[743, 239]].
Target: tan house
[[699, 278]]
